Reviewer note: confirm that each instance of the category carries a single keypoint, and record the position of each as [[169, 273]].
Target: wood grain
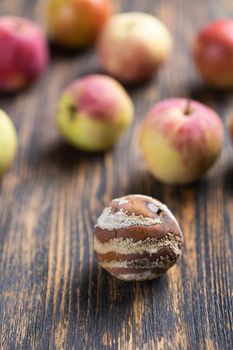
[[53, 294]]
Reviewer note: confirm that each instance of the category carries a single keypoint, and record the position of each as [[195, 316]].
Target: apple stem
[[72, 110], [187, 109]]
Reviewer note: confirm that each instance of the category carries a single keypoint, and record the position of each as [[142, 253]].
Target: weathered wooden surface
[[53, 294]]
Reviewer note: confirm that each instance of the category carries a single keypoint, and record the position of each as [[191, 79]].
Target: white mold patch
[[121, 201], [137, 276], [126, 246], [152, 207], [115, 221]]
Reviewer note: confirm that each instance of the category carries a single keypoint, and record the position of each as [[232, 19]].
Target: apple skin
[[8, 142], [24, 52], [76, 23], [231, 128], [133, 45], [213, 53], [93, 112], [180, 140]]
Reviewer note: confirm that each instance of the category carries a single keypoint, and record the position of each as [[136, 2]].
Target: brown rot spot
[[153, 208], [72, 110]]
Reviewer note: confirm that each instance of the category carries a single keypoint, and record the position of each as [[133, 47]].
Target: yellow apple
[[76, 23], [133, 45], [8, 142]]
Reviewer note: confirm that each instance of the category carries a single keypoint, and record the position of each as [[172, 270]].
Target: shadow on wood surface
[[60, 51], [205, 93], [228, 177], [145, 183], [65, 157], [7, 96]]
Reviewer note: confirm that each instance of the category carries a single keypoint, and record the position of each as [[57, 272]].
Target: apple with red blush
[[230, 125], [133, 45], [93, 112], [76, 23], [213, 53], [180, 140], [24, 52]]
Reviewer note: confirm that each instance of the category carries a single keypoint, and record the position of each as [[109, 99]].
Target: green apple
[[8, 142]]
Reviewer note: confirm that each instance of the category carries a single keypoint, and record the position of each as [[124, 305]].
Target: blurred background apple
[[133, 45], [8, 142], [231, 128], [24, 52], [213, 53], [76, 23]]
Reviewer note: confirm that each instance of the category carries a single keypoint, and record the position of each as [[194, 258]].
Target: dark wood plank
[[53, 294]]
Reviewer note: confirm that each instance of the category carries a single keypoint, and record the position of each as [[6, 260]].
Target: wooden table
[[53, 294]]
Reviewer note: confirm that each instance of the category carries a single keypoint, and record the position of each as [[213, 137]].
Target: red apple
[[180, 140], [76, 23], [24, 52], [213, 53], [93, 112], [133, 45], [231, 128]]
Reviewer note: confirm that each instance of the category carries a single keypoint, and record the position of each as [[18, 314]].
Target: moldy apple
[[137, 238]]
